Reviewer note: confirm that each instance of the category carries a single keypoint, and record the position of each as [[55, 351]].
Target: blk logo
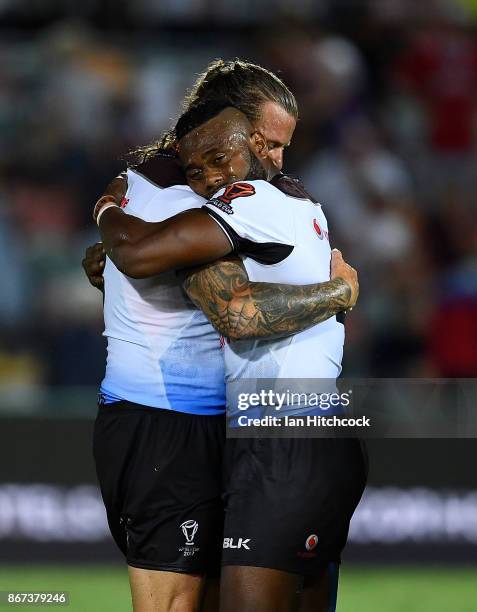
[[241, 543], [189, 529]]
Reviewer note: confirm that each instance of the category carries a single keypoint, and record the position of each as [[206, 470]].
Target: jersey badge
[[318, 229], [321, 233], [237, 190]]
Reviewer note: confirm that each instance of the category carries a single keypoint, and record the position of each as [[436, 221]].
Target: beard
[[256, 171]]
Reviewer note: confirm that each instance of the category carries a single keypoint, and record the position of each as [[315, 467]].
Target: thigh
[[210, 595], [289, 502], [320, 592], [156, 591], [160, 478], [258, 589]]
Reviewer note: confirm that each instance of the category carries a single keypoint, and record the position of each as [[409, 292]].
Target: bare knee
[[167, 602], [184, 602]]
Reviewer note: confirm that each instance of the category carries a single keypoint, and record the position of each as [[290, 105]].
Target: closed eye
[[194, 175]]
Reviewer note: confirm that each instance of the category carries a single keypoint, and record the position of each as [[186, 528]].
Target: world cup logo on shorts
[[189, 529]]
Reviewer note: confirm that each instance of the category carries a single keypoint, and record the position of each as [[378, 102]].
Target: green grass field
[[106, 589]]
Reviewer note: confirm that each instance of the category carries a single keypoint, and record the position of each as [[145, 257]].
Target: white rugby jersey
[[162, 350], [281, 239]]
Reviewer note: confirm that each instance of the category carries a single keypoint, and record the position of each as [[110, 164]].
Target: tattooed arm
[[239, 309]]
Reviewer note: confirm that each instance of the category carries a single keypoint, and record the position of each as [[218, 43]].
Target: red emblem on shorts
[[311, 542], [237, 190], [317, 229], [124, 202]]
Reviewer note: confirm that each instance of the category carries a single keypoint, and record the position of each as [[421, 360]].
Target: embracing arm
[[239, 309], [140, 249], [95, 256]]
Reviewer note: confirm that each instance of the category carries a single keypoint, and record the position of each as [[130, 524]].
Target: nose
[[213, 182], [276, 155]]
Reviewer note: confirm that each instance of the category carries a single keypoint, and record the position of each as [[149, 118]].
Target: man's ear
[[259, 144]]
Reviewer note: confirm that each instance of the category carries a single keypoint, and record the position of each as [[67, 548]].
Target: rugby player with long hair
[[239, 309]]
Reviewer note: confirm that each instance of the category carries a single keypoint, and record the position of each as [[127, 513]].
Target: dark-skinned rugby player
[[271, 106], [272, 234]]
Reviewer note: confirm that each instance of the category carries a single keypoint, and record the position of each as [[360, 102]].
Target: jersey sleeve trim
[[223, 226], [340, 317], [267, 253]]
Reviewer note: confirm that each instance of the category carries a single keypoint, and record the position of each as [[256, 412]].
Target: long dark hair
[[242, 84]]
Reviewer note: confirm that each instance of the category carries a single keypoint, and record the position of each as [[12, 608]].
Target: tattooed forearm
[[238, 308]]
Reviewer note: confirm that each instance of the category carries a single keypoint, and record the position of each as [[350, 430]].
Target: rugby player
[[313, 485], [160, 323]]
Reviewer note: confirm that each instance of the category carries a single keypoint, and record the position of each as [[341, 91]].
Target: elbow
[[238, 334], [231, 334], [228, 333], [133, 272], [235, 332], [239, 321], [127, 262], [220, 326]]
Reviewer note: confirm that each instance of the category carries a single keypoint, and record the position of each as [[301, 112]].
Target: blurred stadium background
[[387, 91]]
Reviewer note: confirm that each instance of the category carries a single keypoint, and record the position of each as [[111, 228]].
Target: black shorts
[[289, 501], [160, 474]]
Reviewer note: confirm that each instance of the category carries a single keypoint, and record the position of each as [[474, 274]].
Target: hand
[[93, 265], [340, 269]]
